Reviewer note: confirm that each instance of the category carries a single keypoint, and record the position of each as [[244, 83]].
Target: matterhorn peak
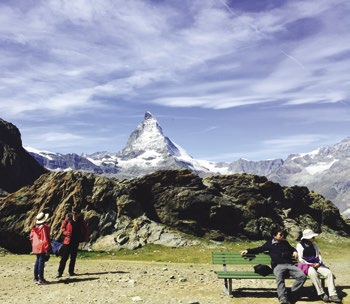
[[148, 139], [148, 115]]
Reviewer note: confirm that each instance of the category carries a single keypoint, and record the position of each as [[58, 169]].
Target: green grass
[[331, 247], [159, 253]]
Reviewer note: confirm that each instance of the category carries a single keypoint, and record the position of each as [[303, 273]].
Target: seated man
[[281, 253]]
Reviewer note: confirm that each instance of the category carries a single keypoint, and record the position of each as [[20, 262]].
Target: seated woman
[[310, 261]]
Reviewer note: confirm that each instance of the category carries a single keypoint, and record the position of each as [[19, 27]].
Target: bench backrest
[[235, 258]]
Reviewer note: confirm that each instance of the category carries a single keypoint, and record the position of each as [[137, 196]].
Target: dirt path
[[113, 281]]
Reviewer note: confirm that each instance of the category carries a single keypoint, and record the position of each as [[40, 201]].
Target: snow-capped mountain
[[63, 162], [325, 170], [147, 150]]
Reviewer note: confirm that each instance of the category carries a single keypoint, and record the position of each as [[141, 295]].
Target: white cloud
[[62, 58], [79, 46]]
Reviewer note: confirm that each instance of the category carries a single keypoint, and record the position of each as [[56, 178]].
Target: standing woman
[[310, 261], [41, 246]]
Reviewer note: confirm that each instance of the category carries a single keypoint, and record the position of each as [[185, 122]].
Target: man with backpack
[[282, 254], [74, 229]]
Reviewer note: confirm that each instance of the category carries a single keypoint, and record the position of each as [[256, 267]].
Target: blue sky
[[224, 78]]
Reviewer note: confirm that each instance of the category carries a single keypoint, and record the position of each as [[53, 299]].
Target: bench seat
[[242, 275], [225, 258]]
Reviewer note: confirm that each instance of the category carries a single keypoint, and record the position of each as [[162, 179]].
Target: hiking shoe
[[334, 299], [324, 298], [58, 276], [43, 282], [72, 274], [36, 281]]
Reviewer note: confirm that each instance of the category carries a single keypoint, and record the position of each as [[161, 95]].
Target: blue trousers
[[283, 271], [39, 267]]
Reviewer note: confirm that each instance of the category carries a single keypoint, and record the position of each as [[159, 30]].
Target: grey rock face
[[17, 167], [167, 207]]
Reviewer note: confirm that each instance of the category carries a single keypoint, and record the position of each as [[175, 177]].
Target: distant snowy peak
[[343, 147], [46, 154], [323, 158], [148, 137]]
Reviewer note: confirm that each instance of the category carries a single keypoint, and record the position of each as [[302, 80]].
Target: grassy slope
[[332, 248]]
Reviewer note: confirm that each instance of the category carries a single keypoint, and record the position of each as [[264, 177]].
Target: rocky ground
[[114, 281]]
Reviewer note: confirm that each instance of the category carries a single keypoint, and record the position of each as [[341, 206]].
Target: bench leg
[[228, 287]]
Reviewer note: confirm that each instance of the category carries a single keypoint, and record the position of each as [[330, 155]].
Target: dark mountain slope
[[17, 167]]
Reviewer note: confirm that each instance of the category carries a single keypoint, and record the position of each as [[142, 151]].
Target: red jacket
[[82, 233], [40, 239]]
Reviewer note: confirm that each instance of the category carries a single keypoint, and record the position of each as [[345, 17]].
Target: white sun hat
[[41, 218], [308, 234]]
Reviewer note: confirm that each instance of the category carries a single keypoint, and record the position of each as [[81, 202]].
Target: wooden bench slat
[[248, 275], [242, 275], [235, 258]]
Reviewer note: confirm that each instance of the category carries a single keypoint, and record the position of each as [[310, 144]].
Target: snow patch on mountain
[[47, 154], [215, 168], [319, 167]]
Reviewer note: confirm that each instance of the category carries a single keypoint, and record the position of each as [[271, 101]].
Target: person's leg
[[65, 255], [36, 269], [41, 265], [299, 277], [279, 271], [312, 273], [73, 258], [329, 280]]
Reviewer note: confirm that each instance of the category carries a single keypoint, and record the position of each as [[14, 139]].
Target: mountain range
[[167, 207], [325, 170]]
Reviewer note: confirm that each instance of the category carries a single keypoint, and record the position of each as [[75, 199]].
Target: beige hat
[[308, 234], [41, 218]]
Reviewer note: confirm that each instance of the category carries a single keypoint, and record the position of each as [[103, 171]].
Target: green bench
[[235, 258]]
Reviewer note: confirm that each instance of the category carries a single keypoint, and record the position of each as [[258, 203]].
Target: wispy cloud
[[122, 48], [292, 142], [67, 58]]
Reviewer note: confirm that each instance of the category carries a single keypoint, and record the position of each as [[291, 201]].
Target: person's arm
[[300, 251], [64, 229], [294, 251], [46, 239], [256, 250], [86, 231], [318, 255]]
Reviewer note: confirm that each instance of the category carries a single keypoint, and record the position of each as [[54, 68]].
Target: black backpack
[[262, 269]]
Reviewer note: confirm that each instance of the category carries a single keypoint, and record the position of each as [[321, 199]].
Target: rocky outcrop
[[148, 150], [324, 171], [17, 167], [166, 207]]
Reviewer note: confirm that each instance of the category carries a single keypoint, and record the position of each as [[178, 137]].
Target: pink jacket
[[40, 239]]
